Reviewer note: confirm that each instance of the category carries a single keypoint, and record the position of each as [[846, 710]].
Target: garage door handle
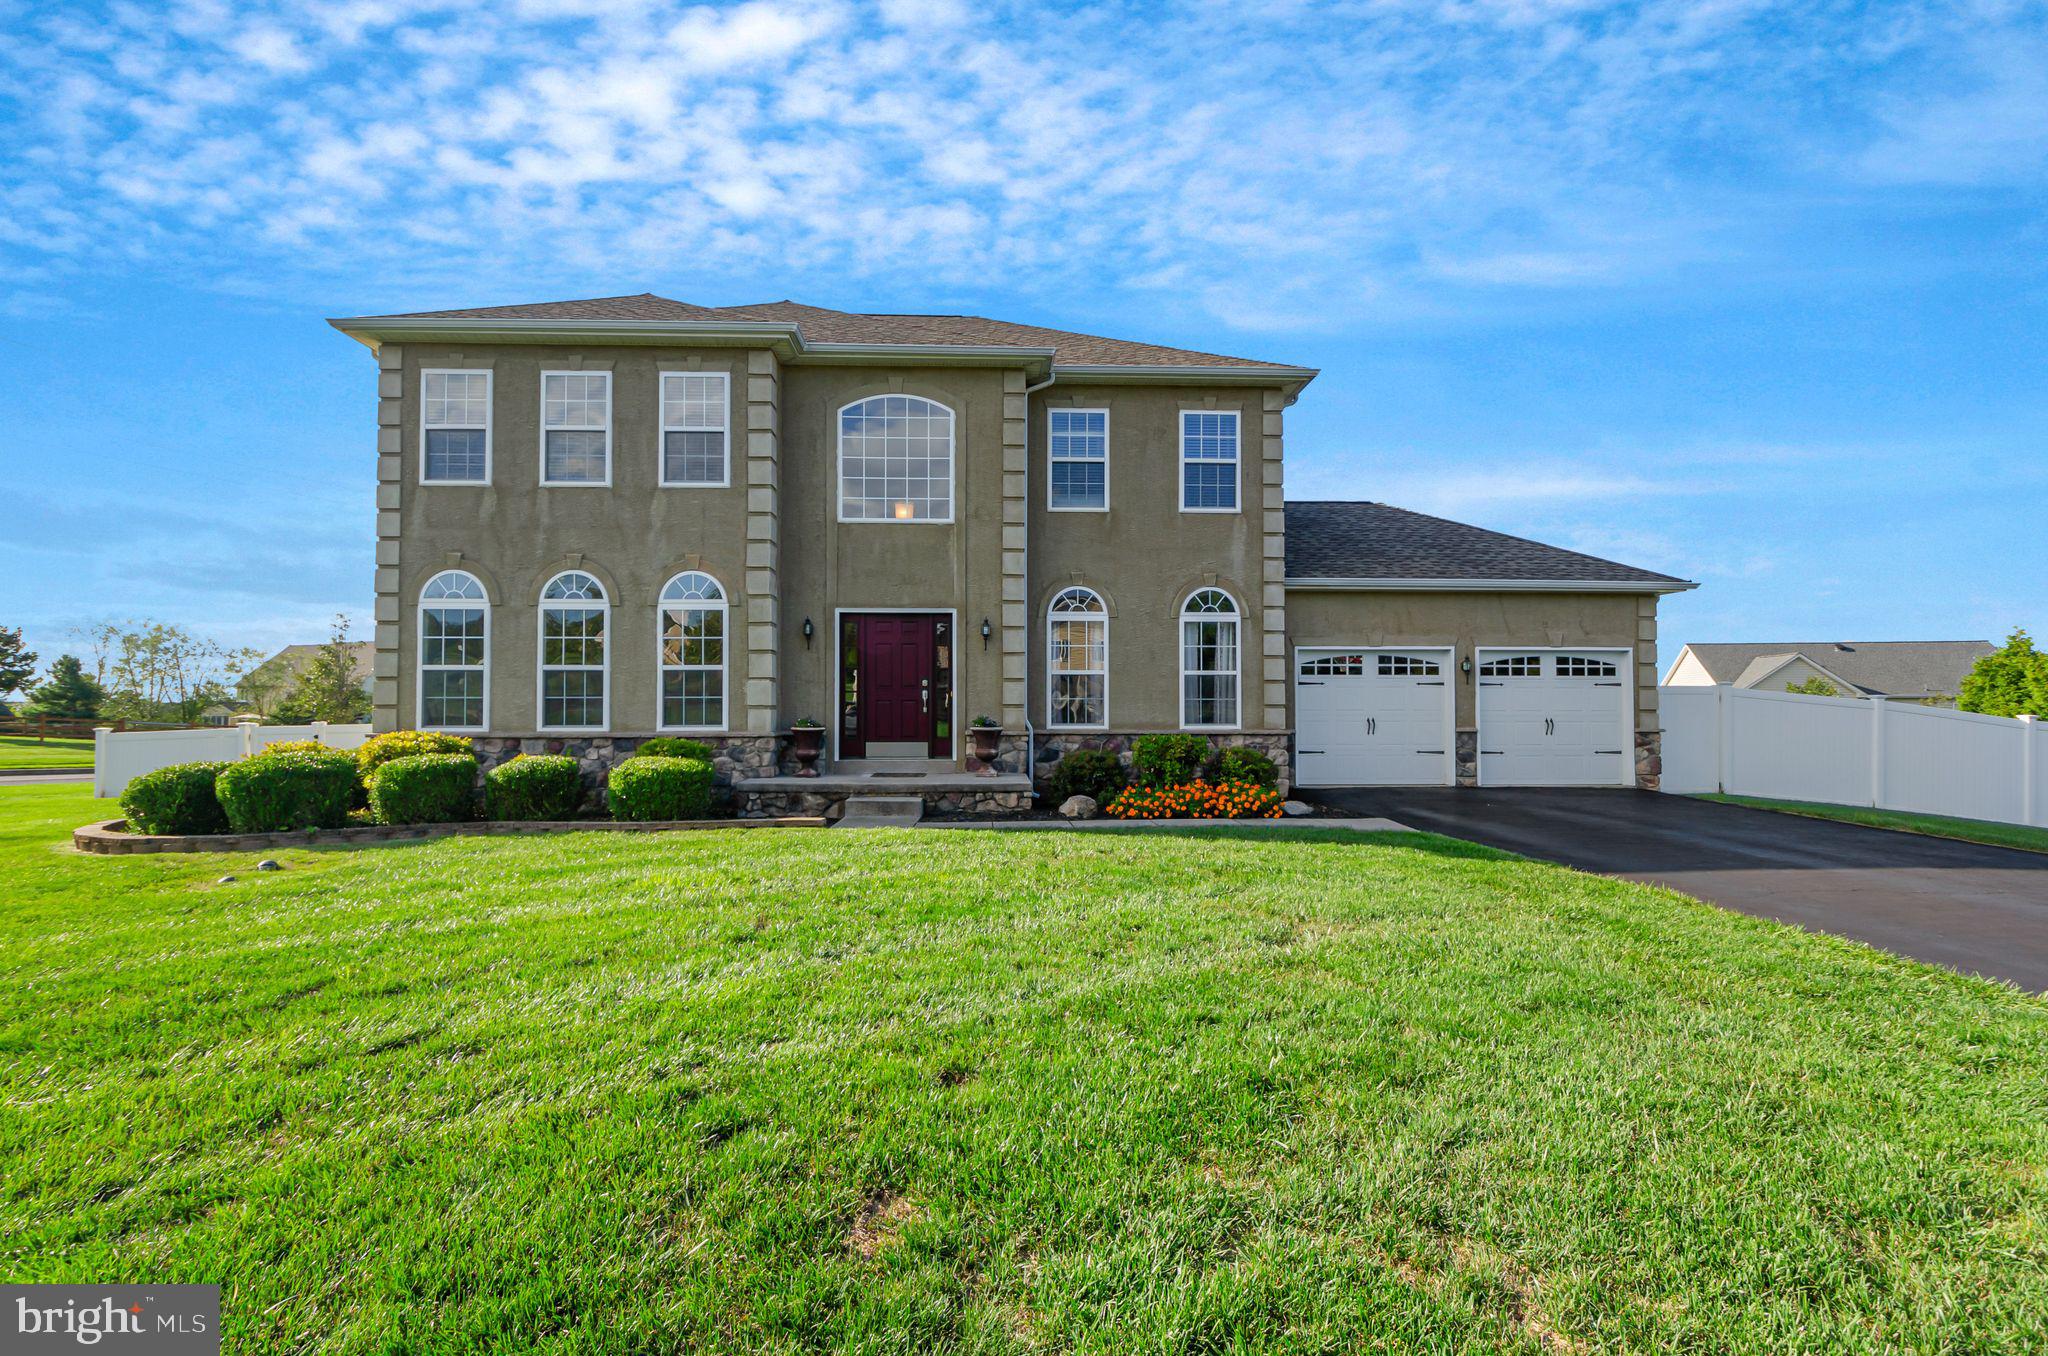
[[1549, 726], [1495, 752], [1308, 750], [1607, 685], [1306, 682], [1372, 725], [1607, 750], [1434, 683], [1429, 750], [1493, 685]]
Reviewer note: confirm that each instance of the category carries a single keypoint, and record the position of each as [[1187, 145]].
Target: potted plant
[[806, 742], [986, 731]]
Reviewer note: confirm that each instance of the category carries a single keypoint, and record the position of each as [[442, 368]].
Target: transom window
[[1406, 666], [1335, 666], [573, 661], [896, 460], [576, 428], [693, 653], [1208, 461], [1077, 659], [695, 410], [1513, 666], [454, 656], [1209, 660], [1583, 666], [455, 428], [1078, 444]]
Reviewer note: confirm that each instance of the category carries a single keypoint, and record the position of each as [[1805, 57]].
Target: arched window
[[1208, 660], [455, 653], [896, 460], [573, 661], [1077, 660], [692, 629]]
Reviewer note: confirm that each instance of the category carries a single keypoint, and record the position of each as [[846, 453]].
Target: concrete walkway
[[1359, 825]]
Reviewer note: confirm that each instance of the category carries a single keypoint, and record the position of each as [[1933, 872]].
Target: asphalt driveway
[[1982, 910]]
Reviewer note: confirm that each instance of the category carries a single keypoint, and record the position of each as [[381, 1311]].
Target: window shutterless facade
[[696, 413], [574, 662], [1077, 447], [692, 637], [895, 460], [1208, 461], [454, 653], [455, 427], [575, 428], [1209, 661], [1077, 661]]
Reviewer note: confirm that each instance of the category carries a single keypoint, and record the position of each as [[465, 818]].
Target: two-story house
[[602, 520]]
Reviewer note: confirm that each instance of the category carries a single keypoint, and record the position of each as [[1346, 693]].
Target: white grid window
[[576, 428], [1208, 660], [896, 460], [1513, 666], [1208, 461], [573, 667], [694, 434], [1335, 666], [693, 653], [1406, 666], [1078, 444], [1077, 660], [454, 652], [455, 428], [1583, 666]]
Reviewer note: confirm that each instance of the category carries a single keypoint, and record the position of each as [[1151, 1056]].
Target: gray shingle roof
[[819, 325], [1890, 668], [1359, 539]]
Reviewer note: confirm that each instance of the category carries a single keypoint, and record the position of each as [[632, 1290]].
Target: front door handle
[[924, 695]]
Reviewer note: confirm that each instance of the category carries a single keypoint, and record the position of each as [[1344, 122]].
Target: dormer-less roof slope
[[1887, 668], [816, 325], [1361, 544]]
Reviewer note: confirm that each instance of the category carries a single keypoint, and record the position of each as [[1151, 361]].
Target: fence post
[[319, 731], [248, 732], [2028, 753], [1876, 751], [99, 761]]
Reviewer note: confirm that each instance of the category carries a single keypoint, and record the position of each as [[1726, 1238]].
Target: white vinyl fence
[[118, 759], [1855, 751]]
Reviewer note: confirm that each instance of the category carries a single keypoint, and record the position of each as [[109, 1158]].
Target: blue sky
[[1752, 293]]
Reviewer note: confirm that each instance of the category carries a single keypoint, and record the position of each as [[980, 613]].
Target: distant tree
[[1815, 686], [327, 688], [154, 671], [68, 693], [17, 662], [2010, 681]]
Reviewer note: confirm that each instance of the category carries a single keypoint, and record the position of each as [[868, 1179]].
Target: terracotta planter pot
[[986, 738], [805, 744]]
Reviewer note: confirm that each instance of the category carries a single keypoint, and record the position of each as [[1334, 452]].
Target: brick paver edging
[[110, 838]]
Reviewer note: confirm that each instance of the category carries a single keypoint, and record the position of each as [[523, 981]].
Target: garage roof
[[1356, 543]]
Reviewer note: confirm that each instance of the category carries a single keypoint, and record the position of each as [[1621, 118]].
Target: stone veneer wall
[[810, 804], [1649, 759], [1054, 745], [732, 756]]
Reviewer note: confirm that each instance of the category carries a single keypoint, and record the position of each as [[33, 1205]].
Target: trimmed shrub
[[176, 799], [296, 790], [381, 749], [1244, 765], [427, 788], [668, 746], [1086, 772], [644, 789], [549, 786], [295, 746], [1168, 759]]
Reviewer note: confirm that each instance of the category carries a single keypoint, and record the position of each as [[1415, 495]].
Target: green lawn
[[17, 751], [792, 1090], [1941, 826]]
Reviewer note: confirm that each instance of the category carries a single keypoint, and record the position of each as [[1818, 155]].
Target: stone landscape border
[[111, 838]]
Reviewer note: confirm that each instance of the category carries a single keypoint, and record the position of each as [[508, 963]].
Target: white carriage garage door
[[1555, 717], [1373, 717]]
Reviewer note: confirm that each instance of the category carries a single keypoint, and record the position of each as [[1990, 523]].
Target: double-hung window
[[454, 639], [1208, 661], [455, 428], [573, 664], [1208, 461], [695, 449], [1078, 444], [693, 653], [1077, 660], [576, 428]]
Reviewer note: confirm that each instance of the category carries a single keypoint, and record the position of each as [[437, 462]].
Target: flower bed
[[1196, 800]]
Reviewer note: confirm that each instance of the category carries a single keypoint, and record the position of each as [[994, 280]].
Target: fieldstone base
[[1054, 745], [732, 756], [786, 802], [1467, 754], [1649, 759]]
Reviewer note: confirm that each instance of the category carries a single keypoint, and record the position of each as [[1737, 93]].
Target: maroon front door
[[896, 672]]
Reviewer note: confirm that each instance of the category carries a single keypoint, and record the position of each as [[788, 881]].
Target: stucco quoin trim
[[1488, 585]]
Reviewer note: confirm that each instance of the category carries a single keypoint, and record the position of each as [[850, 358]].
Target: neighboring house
[[600, 520], [271, 681], [1930, 672], [219, 713]]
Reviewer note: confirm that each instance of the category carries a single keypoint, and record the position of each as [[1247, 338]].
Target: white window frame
[[952, 462], [1236, 462], [1180, 640], [610, 416], [420, 665], [490, 397], [724, 429], [1053, 614], [540, 650], [662, 668], [1052, 461]]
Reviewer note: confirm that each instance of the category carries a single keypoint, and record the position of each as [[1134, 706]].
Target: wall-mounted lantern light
[[808, 629], [985, 633]]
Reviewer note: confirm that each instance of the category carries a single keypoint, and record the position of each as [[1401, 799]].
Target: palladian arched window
[[896, 460], [454, 653], [1209, 661], [1077, 660], [574, 661], [693, 632]]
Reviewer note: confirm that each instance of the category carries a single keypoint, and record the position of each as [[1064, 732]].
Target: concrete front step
[[941, 793], [882, 812]]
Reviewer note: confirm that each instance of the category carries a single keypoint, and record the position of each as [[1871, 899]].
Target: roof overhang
[[1439, 585]]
